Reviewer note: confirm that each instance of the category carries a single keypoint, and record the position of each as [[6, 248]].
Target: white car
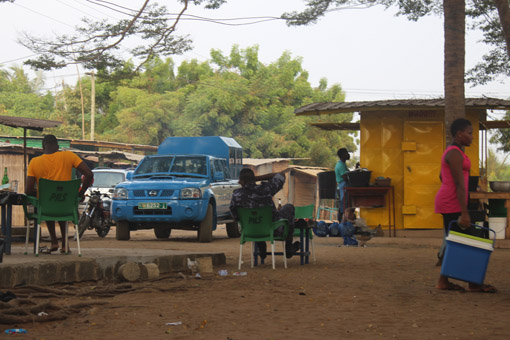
[[105, 180]]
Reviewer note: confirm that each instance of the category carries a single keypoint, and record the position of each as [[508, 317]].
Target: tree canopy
[[488, 16], [96, 44], [233, 95]]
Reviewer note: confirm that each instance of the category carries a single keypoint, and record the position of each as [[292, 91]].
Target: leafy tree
[[21, 97], [493, 19], [488, 16], [96, 44], [497, 169], [231, 95], [454, 27]]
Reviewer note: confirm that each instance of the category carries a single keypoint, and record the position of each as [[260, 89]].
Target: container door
[[423, 147]]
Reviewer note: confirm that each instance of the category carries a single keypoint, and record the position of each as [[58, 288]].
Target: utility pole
[[92, 105], [82, 105]]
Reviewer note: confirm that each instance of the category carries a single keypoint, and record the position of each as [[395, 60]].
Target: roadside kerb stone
[[52, 269]]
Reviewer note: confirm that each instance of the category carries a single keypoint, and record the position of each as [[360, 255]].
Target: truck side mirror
[[219, 176], [129, 175]]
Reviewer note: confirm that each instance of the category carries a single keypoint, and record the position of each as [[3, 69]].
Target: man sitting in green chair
[[57, 166], [251, 195]]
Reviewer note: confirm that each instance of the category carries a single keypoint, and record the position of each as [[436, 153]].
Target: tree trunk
[[454, 55], [503, 7]]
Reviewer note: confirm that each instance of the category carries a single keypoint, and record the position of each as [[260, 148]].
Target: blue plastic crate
[[466, 257]]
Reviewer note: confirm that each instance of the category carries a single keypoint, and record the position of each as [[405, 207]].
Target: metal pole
[[24, 158]]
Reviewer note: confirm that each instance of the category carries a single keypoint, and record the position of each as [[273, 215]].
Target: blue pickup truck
[[186, 185]]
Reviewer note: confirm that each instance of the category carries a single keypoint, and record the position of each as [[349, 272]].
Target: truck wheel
[[233, 230], [206, 226], [122, 231], [162, 232]]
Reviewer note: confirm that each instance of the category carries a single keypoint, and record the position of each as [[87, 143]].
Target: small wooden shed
[[301, 185]]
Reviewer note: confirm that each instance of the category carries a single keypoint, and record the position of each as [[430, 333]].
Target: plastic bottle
[[16, 331], [5, 179]]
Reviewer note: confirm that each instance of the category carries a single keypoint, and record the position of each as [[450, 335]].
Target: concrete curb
[[66, 269]]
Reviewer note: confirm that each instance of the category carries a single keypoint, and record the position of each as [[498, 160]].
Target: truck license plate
[[152, 205]]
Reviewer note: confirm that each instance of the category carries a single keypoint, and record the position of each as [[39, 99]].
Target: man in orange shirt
[[57, 166]]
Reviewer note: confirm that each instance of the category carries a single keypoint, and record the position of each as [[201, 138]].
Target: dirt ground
[[379, 292]]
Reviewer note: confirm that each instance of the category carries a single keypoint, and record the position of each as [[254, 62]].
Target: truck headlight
[[187, 193], [120, 194]]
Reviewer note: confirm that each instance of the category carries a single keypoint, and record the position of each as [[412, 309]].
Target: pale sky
[[371, 53]]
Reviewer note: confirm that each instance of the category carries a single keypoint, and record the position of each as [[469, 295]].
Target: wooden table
[[7, 200], [373, 197], [485, 195], [305, 229]]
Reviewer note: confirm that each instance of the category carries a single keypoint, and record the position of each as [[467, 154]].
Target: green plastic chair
[[305, 212], [256, 226], [58, 201]]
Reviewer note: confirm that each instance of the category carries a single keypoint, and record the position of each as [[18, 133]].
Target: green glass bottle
[[5, 179]]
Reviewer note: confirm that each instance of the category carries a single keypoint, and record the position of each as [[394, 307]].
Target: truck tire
[[162, 232], [233, 230], [206, 226], [122, 231]]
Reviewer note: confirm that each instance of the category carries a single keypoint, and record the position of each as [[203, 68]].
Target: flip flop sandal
[[46, 250], [453, 286], [484, 289]]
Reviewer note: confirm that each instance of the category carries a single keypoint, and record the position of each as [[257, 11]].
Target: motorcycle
[[96, 214]]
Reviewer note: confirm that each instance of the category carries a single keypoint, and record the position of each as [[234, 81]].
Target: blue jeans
[[341, 199]]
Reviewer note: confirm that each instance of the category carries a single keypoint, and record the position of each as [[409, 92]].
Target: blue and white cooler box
[[466, 257]]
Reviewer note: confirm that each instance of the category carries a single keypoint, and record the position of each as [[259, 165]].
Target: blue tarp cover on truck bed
[[215, 146]]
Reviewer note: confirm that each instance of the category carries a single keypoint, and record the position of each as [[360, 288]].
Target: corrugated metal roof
[[28, 123], [495, 124], [398, 104], [337, 126], [260, 161], [115, 155], [487, 125], [309, 170]]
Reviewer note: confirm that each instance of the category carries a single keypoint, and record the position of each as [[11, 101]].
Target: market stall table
[[304, 238], [373, 197], [485, 195]]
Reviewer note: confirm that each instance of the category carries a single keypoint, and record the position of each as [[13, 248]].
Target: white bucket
[[498, 224]]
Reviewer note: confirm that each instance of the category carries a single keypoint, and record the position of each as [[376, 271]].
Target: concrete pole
[[82, 105], [92, 105]]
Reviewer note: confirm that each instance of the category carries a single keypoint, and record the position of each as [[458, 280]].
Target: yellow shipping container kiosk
[[404, 140]]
